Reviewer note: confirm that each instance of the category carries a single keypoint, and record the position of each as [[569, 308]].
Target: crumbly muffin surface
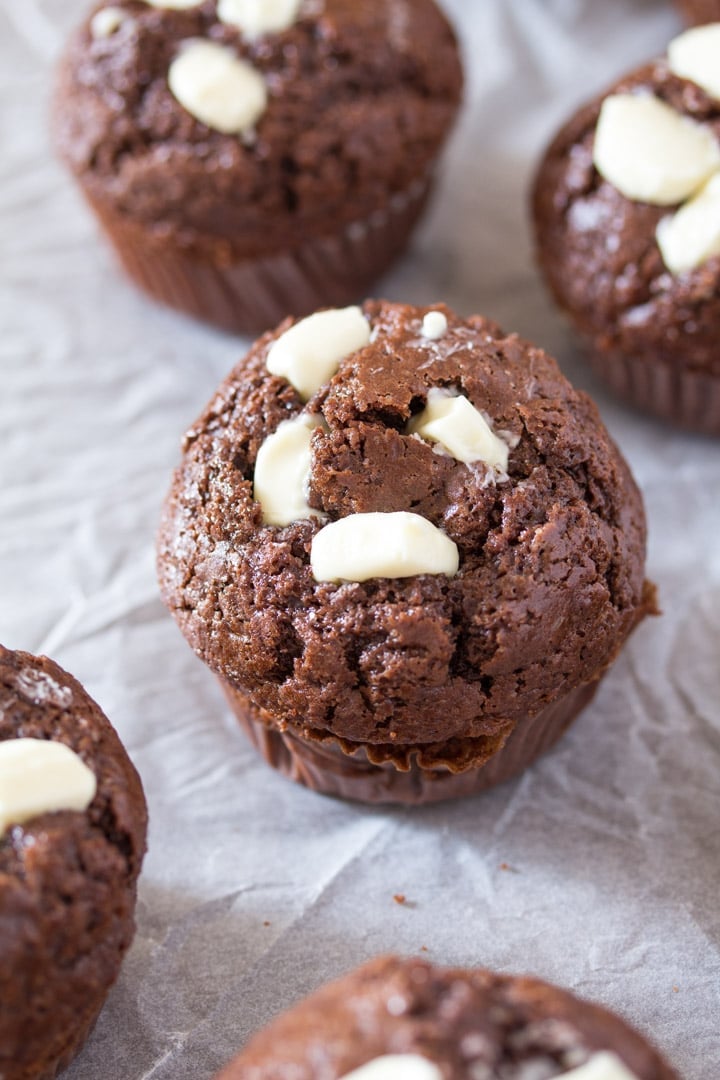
[[551, 554]]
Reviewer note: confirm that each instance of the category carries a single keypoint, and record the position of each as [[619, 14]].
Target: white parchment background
[[599, 868]]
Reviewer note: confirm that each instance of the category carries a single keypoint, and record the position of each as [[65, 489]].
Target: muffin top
[[67, 876], [330, 116], [456, 1025], [547, 538], [630, 244]]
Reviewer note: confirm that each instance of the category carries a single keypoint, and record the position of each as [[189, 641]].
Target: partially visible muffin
[[395, 1019], [408, 548], [627, 220], [73, 825], [253, 160]]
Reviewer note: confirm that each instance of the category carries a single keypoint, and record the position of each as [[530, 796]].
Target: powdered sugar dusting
[[42, 689]]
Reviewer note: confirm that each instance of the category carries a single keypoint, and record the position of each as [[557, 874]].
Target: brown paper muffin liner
[[332, 768], [687, 399], [252, 295]]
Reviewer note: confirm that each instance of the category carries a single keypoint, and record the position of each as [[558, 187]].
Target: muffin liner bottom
[[253, 295], [688, 399], [330, 769]]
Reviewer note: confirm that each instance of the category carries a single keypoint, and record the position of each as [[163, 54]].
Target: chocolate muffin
[[627, 219], [396, 1019], [72, 838], [407, 547], [699, 11], [253, 160]]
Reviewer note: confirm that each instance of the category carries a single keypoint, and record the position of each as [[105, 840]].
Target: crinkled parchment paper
[[599, 868]]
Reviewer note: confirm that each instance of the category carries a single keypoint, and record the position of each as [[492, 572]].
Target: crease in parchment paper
[[598, 868]]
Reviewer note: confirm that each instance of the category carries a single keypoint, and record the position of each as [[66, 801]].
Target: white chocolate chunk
[[690, 237], [174, 5], [282, 471], [396, 1067], [459, 428], [106, 22], [258, 17], [218, 88], [695, 55], [39, 777], [602, 1066], [310, 352], [434, 326], [650, 152], [397, 545]]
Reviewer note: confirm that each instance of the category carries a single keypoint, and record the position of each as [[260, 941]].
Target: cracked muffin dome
[[395, 1019], [250, 160], [73, 823], [626, 206], [408, 548]]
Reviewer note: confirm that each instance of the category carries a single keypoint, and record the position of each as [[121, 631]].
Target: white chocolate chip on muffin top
[[258, 17], [396, 1067], [217, 88], [695, 55], [434, 325], [389, 545], [650, 152], [692, 236], [453, 422], [282, 472], [174, 5], [310, 352], [38, 776], [107, 21]]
